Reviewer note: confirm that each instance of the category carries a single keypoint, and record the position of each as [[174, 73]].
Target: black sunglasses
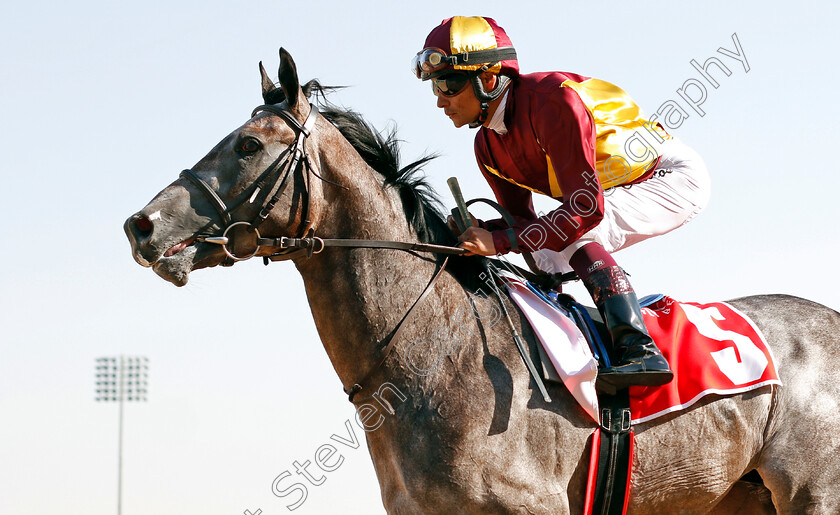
[[450, 85]]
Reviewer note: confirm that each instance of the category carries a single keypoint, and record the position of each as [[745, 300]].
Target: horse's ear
[[267, 85], [289, 79]]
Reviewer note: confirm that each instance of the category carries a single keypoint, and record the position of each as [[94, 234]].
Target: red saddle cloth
[[712, 349]]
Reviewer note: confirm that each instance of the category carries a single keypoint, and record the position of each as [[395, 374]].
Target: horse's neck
[[357, 296]]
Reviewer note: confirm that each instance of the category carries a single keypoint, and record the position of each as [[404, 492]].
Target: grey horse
[[469, 432]]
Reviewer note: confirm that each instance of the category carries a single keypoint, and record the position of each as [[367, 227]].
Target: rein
[[293, 158], [314, 245], [273, 180]]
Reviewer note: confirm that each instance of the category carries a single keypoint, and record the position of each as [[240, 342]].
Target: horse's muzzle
[[139, 229]]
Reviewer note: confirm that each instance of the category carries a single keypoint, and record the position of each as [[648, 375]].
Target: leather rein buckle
[[312, 245]]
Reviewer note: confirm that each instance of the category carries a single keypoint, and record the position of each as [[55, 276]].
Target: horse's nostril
[[143, 225]]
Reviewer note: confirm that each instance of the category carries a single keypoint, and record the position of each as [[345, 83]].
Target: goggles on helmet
[[430, 62], [451, 84]]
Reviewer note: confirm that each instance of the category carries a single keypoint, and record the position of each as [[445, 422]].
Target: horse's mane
[[381, 151]]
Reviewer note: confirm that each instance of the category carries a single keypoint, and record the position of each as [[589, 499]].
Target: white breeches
[[675, 193]]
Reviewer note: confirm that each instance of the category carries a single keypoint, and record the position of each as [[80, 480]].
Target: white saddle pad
[[563, 344]]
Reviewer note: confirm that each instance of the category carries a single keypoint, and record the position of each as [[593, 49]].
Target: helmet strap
[[482, 116], [486, 97]]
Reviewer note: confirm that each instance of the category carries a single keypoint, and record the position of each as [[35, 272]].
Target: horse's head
[[256, 181]]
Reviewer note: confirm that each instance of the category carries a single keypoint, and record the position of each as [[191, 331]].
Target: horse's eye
[[249, 145]]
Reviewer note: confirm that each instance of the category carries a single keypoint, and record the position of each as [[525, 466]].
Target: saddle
[[712, 348]]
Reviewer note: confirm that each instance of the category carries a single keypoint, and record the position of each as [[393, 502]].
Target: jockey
[[582, 141]]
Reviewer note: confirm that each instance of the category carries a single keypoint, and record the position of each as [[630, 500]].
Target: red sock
[[590, 258]]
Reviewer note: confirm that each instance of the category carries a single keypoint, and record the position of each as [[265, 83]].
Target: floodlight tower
[[121, 379]]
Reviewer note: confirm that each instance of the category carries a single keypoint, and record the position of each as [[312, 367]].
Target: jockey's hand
[[454, 226], [477, 241]]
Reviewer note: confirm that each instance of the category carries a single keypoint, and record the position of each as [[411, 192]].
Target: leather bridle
[[272, 181]]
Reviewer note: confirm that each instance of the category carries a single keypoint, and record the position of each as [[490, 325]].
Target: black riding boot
[[634, 357]]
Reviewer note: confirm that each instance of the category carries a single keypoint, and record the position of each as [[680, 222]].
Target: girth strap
[[612, 458]]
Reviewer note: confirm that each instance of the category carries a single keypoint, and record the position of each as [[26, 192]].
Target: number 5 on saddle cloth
[[713, 349]]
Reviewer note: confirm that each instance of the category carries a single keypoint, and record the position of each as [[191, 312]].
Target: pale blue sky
[[104, 103]]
